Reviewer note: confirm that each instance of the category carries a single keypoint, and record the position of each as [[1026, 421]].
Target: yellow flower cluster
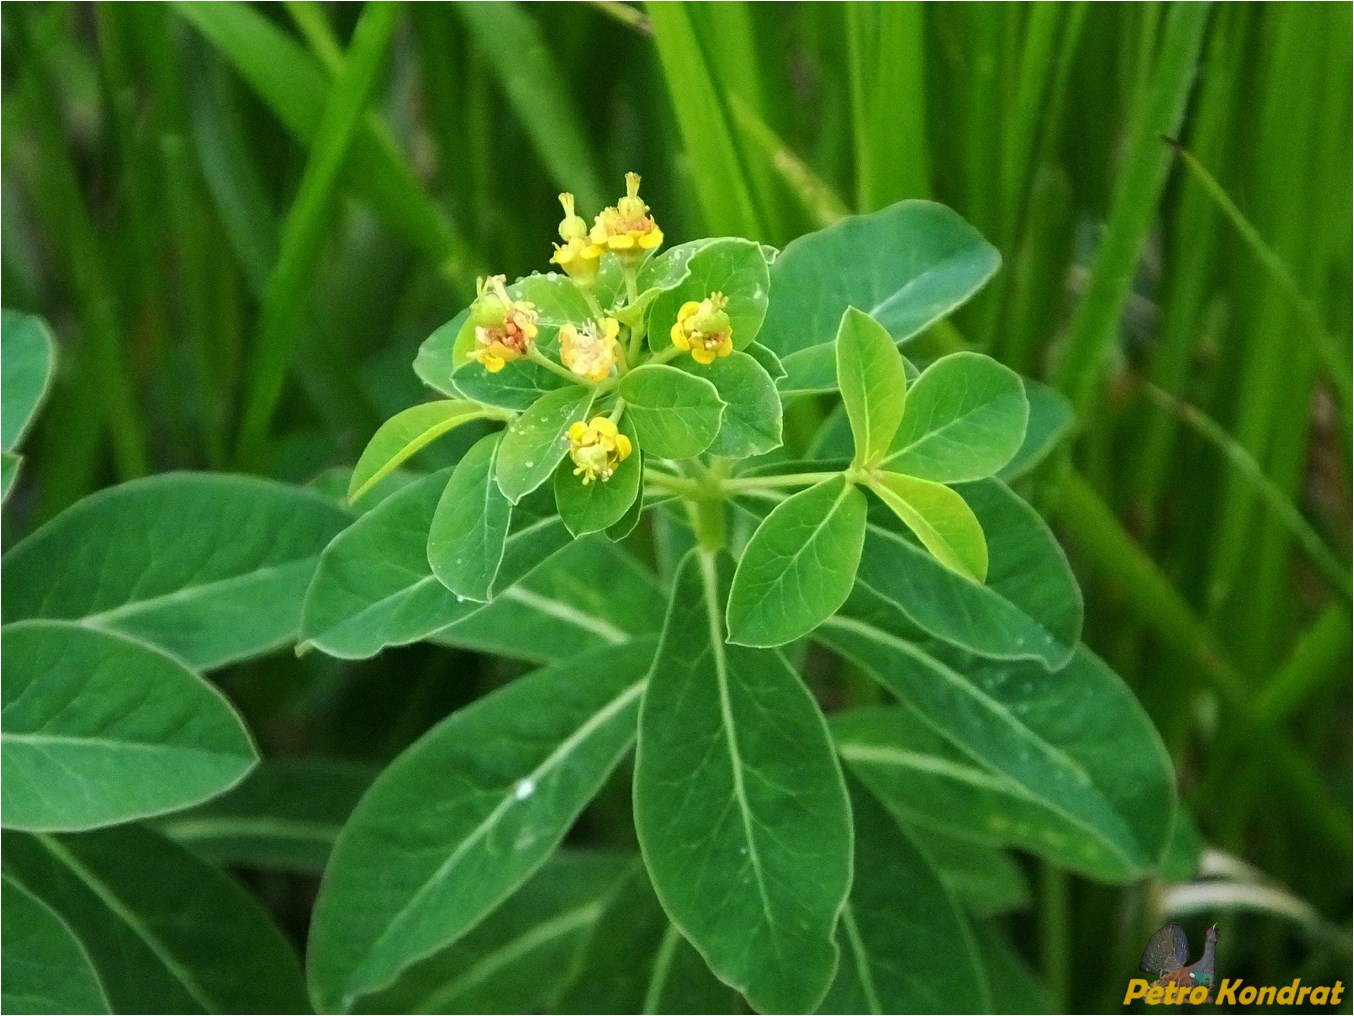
[[597, 449], [590, 351], [704, 328], [578, 255], [504, 328], [625, 229]]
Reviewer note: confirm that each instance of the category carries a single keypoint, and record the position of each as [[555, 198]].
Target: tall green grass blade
[[818, 200]]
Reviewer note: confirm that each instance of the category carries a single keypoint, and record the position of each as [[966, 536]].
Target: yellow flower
[[504, 327], [597, 448], [704, 328], [590, 351], [578, 256], [626, 227]]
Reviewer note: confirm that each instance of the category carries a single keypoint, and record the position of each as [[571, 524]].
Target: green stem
[[536, 356], [673, 484], [707, 519], [1054, 931], [742, 483], [617, 410]]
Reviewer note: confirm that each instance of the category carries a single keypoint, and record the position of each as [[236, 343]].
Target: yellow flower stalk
[[590, 351], [578, 255], [504, 327], [626, 227], [597, 449], [704, 329]]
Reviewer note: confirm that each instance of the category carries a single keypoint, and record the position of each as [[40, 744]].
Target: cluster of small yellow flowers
[[504, 327], [704, 329], [578, 256], [590, 351], [627, 228], [597, 448]]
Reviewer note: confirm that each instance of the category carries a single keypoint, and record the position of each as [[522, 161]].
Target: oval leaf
[[27, 357], [799, 566], [752, 420], [469, 530], [729, 265], [739, 804], [46, 967], [405, 434], [536, 441], [873, 383], [101, 729], [941, 520], [592, 507], [510, 774], [676, 415]]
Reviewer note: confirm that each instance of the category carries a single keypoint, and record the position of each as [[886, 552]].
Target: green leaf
[[752, 421], [100, 729], [626, 525], [212, 568], [770, 361], [46, 968], [1098, 786], [739, 804], [906, 266], [593, 507], [405, 434], [1014, 986], [729, 265], [873, 383], [965, 419], [375, 588], [536, 441], [166, 932], [986, 878], [905, 941], [1050, 421], [469, 530], [941, 520], [510, 774], [27, 360], [283, 816], [588, 595], [676, 414], [9, 472], [1030, 607], [799, 566]]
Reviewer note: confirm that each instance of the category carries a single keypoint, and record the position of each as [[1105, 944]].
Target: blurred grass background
[[241, 221]]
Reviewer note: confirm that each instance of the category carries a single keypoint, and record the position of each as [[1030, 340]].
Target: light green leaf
[[729, 265], [907, 266], [46, 968], [941, 520], [873, 383], [752, 420], [375, 588], [1029, 608], [626, 524], [593, 507], [100, 729], [166, 932], [965, 419], [1075, 746], [405, 434], [739, 804], [770, 361], [510, 774], [9, 472], [905, 941], [283, 816], [27, 360], [1050, 421], [799, 566], [469, 530], [536, 441], [212, 568], [676, 414]]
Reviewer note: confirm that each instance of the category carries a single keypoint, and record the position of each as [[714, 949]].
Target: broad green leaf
[[622, 528], [635, 960], [27, 359], [165, 931], [510, 774], [536, 441], [1050, 421], [518, 958], [965, 419], [46, 968], [799, 566], [986, 878], [906, 266], [873, 383], [1014, 987], [905, 941], [752, 420], [469, 530], [101, 729], [729, 265], [283, 816], [1029, 608], [770, 361], [9, 472], [675, 414], [1074, 744], [590, 594], [375, 588], [516, 387], [739, 804], [668, 268], [941, 520], [593, 507], [405, 434], [211, 568]]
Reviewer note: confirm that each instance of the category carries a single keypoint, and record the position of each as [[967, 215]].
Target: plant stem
[[743, 483], [536, 356]]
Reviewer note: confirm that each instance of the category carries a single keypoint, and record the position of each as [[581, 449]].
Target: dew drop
[[524, 789]]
